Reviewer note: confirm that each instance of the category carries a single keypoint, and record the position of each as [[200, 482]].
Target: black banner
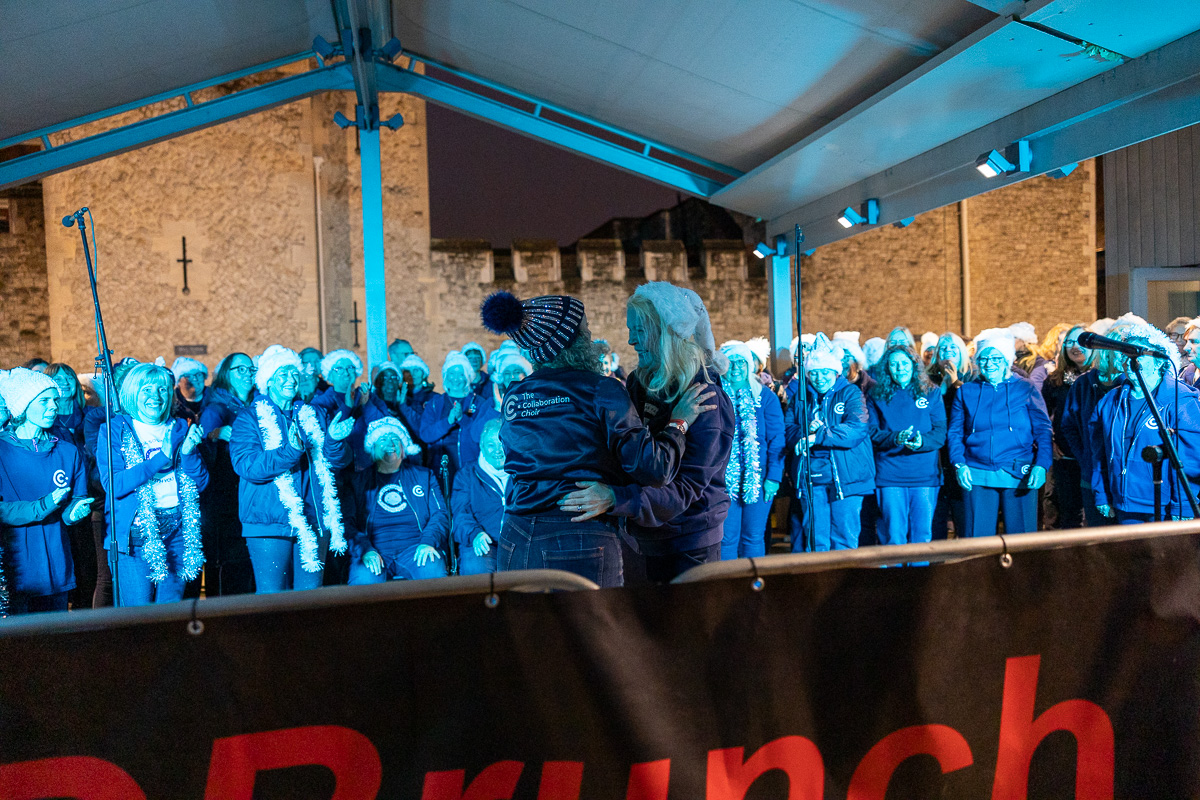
[[1072, 673]]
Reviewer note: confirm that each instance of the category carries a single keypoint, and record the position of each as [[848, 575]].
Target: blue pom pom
[[502, 313]]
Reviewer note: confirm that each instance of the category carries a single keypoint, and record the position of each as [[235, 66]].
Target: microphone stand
[[104, 364], [1167, 445], [804, 484]]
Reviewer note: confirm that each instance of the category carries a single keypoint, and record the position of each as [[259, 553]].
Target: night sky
[[486, 182]]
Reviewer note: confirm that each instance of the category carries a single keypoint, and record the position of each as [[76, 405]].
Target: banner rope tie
[[492, 600], [1006, 558], [195, 627], [758, 583]]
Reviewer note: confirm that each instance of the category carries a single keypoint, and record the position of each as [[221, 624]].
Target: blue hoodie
[[1120, 478], [842, 453], [1000, 428], [896, 465]]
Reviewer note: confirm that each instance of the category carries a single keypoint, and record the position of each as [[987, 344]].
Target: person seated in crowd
[[841, 465], [1073, 362], [443, 420], [477, 504], [396, 519], [1000, 441], [286, 454], [157, 478], [908, 428], [312, 382], [190, 377], [43, 489], [755, 465], [1123, 426]]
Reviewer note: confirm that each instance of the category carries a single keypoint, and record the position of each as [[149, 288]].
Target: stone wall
[[25, 323]]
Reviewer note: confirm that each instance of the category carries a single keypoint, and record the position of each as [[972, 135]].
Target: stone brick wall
[[25, 321]]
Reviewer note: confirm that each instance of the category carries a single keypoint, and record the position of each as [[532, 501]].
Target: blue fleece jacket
[[477, 506], [1000, 428], [842, 442], [1075, 417], [896, 465], [37, 554], [1121, 427], [390, 513]]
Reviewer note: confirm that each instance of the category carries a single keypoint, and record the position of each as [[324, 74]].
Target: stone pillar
[[536, 261], [601, 260], [725, 260]]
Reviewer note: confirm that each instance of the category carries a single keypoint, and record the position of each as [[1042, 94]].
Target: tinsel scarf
[[145, 521], [743, 475], [314, 445]]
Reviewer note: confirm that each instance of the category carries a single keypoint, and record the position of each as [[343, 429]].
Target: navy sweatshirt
[[1000, 428], [896, 465], [391, 513]]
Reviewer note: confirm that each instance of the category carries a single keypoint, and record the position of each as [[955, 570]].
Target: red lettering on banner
[[1020, 734], [80, 777], [496, 782], [649, 781], [874, 772], [561, 780], [236, 760], [729, 778]]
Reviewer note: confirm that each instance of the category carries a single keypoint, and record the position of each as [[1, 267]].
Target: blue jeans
[[21, 603], [836, 523], [1092, 517], [984, 504], [950, 508], [398, 566], [277, 567], [666, 568], [471, 564], [745, 530], [907, 513], [133, 573], [590, 549]]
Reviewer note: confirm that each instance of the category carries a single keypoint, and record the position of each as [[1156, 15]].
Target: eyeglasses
[[992, 360], [341, 369], [242, 370], [1071, 343]]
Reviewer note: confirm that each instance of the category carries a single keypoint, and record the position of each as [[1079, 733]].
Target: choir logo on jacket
[[392, 499], [840, 408], [60, 478], [1150, 423], [419, 491], [531, 405], [923, 402]]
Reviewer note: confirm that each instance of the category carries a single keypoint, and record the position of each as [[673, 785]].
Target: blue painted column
[[779, 280], [374, 279]]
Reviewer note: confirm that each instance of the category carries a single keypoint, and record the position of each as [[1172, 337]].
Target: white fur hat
[[825, 355], [504, 358], [385, 425], [1130, 318], [684, 313], [183, 365], [929, 339], [1101, 326], [1001, 339], [508, 345], [412, 362], [271, 361], [457, 359], [848, 341], [873, 350], [331, 360], [21, 385], [761, 348], [846, 336], [477, 347], [735, 349], [1157, 339], [386, 366], [1023, 332]]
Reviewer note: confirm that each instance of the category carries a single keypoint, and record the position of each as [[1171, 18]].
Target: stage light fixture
[[867, 215], [323, 48], [341, 120], [395, 122], [903, 223], [1017, 157], [390, 50], [764, 250], [1062, 172]]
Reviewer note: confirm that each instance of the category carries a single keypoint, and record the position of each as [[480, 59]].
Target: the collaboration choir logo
[[840, 408], [60, 479], [419, 491], [531, 405], [392, 499], [1151, 424], [923, 402]]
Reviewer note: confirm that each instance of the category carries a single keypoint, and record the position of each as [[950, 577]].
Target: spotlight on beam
[[1062, 172], [390, 50], [323, 48], [395, 122], [1017, 157], [867, 215], [341, 120], [810, 252], [903, 223], [764, 250]]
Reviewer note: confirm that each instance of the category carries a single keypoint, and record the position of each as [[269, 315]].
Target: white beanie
[[1001, 339], [385, 425], [457, 359], [761, 348], [1100, 327], [848, 341], [1024, 332], [21, 385], [508, 345], [272, 359], [1157, 339], [183, 365], [825, 355], [502, 359], [929, 339], [331, 360], [412, 362], [735, 349], [873, 350], [684, 313]]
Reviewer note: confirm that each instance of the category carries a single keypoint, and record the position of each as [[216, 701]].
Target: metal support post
[[779, 278], [374, 279]]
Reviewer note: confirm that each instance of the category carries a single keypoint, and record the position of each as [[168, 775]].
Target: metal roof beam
[[176, 123]]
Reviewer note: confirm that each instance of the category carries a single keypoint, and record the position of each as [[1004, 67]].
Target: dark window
[[5, 220]]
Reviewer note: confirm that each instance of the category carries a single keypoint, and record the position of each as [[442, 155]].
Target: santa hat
[[271, 361], [413, 362], [825, 355], [183, 365], [761, 348], [505, 358], [507, 346], [331, 360], [736, 349], [457, 359], [544, 326], [379, 369], [1001, 339], [1023, 332], [873, 350], [477, 347], [684, 313], [385, 425], [848, 341], [928, 339], [21, 385], [1157, 339]]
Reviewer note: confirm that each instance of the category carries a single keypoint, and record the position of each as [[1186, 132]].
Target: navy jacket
[[477, 506], [769, 422], [1075, 417], [689, 512], [842, 441], [567, 425], [1003, 427], [1120, 478], [472, 429], [442, 438], [390, 513], [259, 507], [896, 465], [221, 408], [37, 554], [127, 480]]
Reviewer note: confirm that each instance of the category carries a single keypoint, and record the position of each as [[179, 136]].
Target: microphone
[[70, 219], [1094, 341]]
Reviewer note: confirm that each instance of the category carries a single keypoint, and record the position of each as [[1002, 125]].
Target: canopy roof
[[781, 109]]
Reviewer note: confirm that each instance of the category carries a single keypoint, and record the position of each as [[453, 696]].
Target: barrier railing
[[933, 552], [196, 611]]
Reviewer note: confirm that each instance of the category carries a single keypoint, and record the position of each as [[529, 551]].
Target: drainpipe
[[964, 254], [317, 162]]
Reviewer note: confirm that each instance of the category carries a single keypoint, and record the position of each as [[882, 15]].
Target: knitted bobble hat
[[544, 326], [271, 361], [21, 385]]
